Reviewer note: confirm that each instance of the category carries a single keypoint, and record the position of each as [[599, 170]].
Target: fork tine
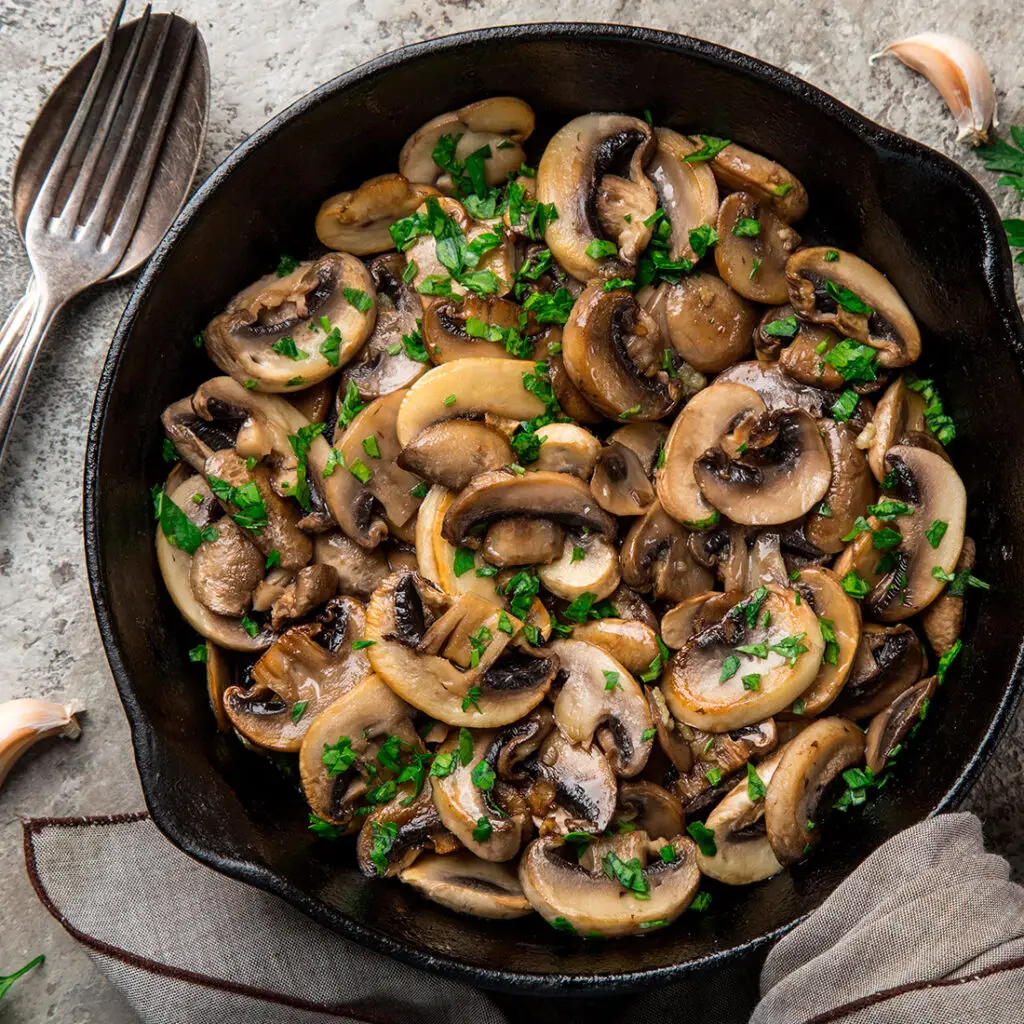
[[69, 214], [124, 226], [94, 225], [47, 195]]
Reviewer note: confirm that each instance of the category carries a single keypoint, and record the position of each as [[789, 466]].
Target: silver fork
[[69, 254]]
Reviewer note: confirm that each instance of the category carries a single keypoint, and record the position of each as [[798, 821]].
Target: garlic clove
[[960, 74], [26, 721]]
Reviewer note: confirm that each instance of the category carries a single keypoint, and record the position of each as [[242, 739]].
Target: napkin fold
[[928, 930]]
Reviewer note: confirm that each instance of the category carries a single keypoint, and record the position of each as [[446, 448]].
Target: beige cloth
[[928, 930]]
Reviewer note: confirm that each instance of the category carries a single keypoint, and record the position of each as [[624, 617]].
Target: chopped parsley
[[730, 666], [756, 789], [179, 530], [713, 775], [828, 634], [331, 346], [384, 834], [285, 265], [746, 227], [371, 447], [482, 830], [199, 653], [483, 777], [704, 837], [611, 680], [361, 471], [350, 405], [941, 425], [358, 298], [286, 347], [786, 327], [472, 700], [854, 361], [848, 299], [629, 874], [709, 150], [703, 238], [299, 709], [845, 406], [947, 659], [599, 248], [752, 681], [936, 532], [324, 829], [335, 461], [338, 757], [831, 256], [358, 645], [855, 585], [790, 647], [463, 561]]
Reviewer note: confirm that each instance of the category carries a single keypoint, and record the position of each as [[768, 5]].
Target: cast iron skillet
[[906, 209]]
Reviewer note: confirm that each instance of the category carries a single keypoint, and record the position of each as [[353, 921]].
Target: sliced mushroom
[[559, 888], [359, 571], [225, 570], [468, 885], [892, 723], [806, 768], [630, 605], [704, 419], [516, 743], [753, 247], [614, 351], [566, 448], [656, 556], [899, 411], [739, 168], [522, 541], [383, 364], [777, 389], [943, 620], [704, 320], [314, 402], [624, 211], [849, 493], [569, 175], [358, 221], [446, 324], [799, 347], [219, 676], [651, 809], [365, 716], [693, 614], [570, 398], [280, 311], [466, 389], [861, 303], [743, 855], [507, 683], [889, 660], [619, 483], [704, 683], [308, 668], [452, 452], [633, 644], [594, 572], [311, 587], [783, 471]]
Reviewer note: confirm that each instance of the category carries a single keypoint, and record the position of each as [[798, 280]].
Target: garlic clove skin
[[27, 720], [960, 74]]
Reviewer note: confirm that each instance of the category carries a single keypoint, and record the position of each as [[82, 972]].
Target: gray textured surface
[[264, 55]]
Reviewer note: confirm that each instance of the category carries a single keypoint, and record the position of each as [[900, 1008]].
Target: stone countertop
[[47, 632]]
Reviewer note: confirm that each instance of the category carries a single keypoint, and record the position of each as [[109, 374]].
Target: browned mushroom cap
[[516, 743], [467, 809], [613, 351], [687, 191], [632, 644], [447, 324], [354, 726], [219, 676], [625, 208], [522, 541], [358, 221], [594, 902], [777, 389], [739, 168], [943, 620], [933, 492], [500, 122], [619, 483], [226, 569], [839, 619], [395, 834], [656, 556], [650, 808], [194, 438], [499, 494], [753, 247], [588, 565], [798, 347], [570, 398], [703, 420], [892, 723], [849, 493], [359, 571], [566, 448], [275, 311], [854, 297], [599, 697], [468, 885], [452, 452], [704, 683], [899, 411], [808, 765], [311, 587], [310, 666], [569, 175], [703, 319], [383, 365], [889, 660], [782, 473], [314, 402], [409, 620], [742, 854], [630, 605]]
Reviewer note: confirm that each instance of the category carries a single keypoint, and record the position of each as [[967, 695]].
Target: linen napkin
[[928, 930]]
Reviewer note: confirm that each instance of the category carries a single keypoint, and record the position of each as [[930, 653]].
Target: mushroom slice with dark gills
[[305, 670], [630, 889], [395, 834], [943, 620], [783, 471], [857, 300], [370, 480], [265, 336], [889, 727], [614, 352], [753, 247], [743, 854], [710, 683], [619, 483], [698, 427], [889, 660], [633, 644], [466, 884], [357, 221], [695, 613], [569, 175], [738, 169], [452, 329], [899, 412], [650, 808], [383, 364], [849, 493], [500, 123], [478, 679], [338, 756], [599, 698], [777, 389], [915, 573], [807, 766], [514, 744], [624, 211], [484, 813], [452, 452]]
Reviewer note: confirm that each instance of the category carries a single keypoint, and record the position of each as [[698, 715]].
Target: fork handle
[[14, 328]]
